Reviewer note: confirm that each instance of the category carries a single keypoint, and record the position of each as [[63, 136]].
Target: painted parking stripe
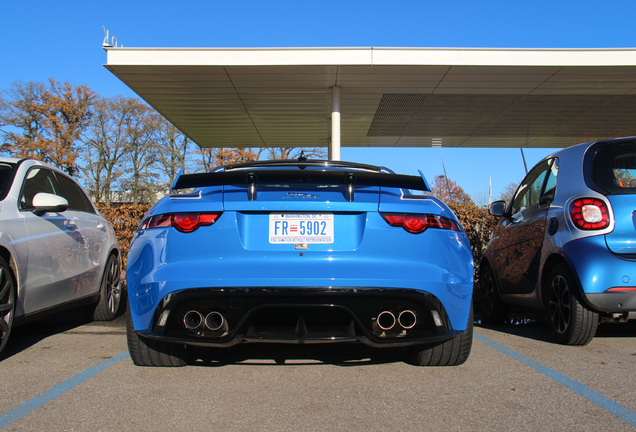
[[35, 403], [604, 402]]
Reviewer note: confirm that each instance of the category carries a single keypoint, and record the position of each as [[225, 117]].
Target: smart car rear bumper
[[599, 270]]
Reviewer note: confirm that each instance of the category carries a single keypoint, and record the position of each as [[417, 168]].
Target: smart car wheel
[[487, 300], [570, 321], [453, 352], [110, 291], [148, 352], [7, 302]]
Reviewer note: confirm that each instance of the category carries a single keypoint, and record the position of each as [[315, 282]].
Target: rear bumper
[[301, 315], [598, 269], [613, 302]]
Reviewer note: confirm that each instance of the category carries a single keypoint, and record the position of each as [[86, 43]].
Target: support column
[[334, 145]]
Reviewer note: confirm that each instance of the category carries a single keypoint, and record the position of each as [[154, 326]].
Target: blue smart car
[[566, 244]]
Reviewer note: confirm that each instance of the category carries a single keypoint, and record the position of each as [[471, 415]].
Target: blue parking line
[[35, 403], [604, 402]]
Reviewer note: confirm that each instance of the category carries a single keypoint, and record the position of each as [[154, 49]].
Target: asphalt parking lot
[[65, 374]]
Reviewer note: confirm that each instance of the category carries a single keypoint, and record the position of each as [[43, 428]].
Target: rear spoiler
[[252, 178]]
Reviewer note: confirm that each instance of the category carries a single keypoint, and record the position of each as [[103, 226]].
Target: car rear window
[[6, 176], [615, 168]]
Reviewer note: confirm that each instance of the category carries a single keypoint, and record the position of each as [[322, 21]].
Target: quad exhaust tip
[[386, 320], [407, 319], [214, 321], [192, 320]]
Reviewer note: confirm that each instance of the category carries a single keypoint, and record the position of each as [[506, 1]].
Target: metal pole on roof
[[334, 145]]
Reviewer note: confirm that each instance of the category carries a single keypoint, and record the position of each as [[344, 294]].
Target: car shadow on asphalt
[[340, 354], [535, 327], [27, 335]]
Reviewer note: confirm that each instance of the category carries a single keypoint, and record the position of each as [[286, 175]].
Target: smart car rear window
[[614, 169], [6, 176]]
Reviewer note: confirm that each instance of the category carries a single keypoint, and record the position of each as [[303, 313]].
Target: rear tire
[[109, 292], [149, 352], [487, 300], [453, 352], [571, 323], [7, 302]]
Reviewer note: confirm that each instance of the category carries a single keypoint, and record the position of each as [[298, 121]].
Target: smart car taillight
[[184, 222], [589, 214], [418, 223]]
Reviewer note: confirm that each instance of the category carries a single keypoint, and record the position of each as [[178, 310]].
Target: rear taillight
[[184, 222], [589, 214], [417, 223]]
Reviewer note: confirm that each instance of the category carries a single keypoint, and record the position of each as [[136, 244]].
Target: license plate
[[306, 228]]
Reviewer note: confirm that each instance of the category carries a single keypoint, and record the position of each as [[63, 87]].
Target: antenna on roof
[[302, 157], [113, 41]]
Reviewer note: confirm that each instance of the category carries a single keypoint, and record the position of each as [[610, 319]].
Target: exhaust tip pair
[[386, 320], [214, 321]]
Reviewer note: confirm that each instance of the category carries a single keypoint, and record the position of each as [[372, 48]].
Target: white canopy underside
[[388, 97]]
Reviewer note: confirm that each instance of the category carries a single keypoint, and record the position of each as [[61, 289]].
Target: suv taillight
[[418, 223], [589, 214], [184, 222]]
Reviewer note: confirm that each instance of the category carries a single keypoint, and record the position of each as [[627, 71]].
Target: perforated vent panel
[[470, 115]]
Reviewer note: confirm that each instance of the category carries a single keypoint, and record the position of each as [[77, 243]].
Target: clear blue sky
[[62, 40]]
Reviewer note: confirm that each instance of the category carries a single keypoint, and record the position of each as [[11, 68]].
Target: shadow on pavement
[[535, 327], [282, 354], [26, 335]]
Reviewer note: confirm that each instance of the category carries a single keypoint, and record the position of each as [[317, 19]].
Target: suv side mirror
[[498, 208], [46, 202]]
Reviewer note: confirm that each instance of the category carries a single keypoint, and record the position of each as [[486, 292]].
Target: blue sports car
[[300, 252]]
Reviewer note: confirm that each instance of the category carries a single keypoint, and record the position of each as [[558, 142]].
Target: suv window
[[37, 180], [615, 168], [76, 198], [6, 177]]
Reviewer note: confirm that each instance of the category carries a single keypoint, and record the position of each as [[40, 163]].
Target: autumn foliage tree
[[46, 121], [449, 191]]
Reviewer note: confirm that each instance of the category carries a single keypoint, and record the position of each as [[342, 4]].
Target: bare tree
[[213, 157], [106, 144], [142, 153], [173, 148], [508, 192], [283, 153]]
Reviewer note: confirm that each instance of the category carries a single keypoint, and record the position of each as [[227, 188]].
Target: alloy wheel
[[560, 304], [7, 305], [113, 286]]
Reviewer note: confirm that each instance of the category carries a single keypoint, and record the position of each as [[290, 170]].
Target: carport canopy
[[385, 97]]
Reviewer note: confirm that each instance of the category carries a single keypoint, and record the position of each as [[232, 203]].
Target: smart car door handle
[[100, 226], [70, 224]]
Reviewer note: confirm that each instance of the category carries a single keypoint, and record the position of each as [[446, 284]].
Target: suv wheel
[[7, 302]]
